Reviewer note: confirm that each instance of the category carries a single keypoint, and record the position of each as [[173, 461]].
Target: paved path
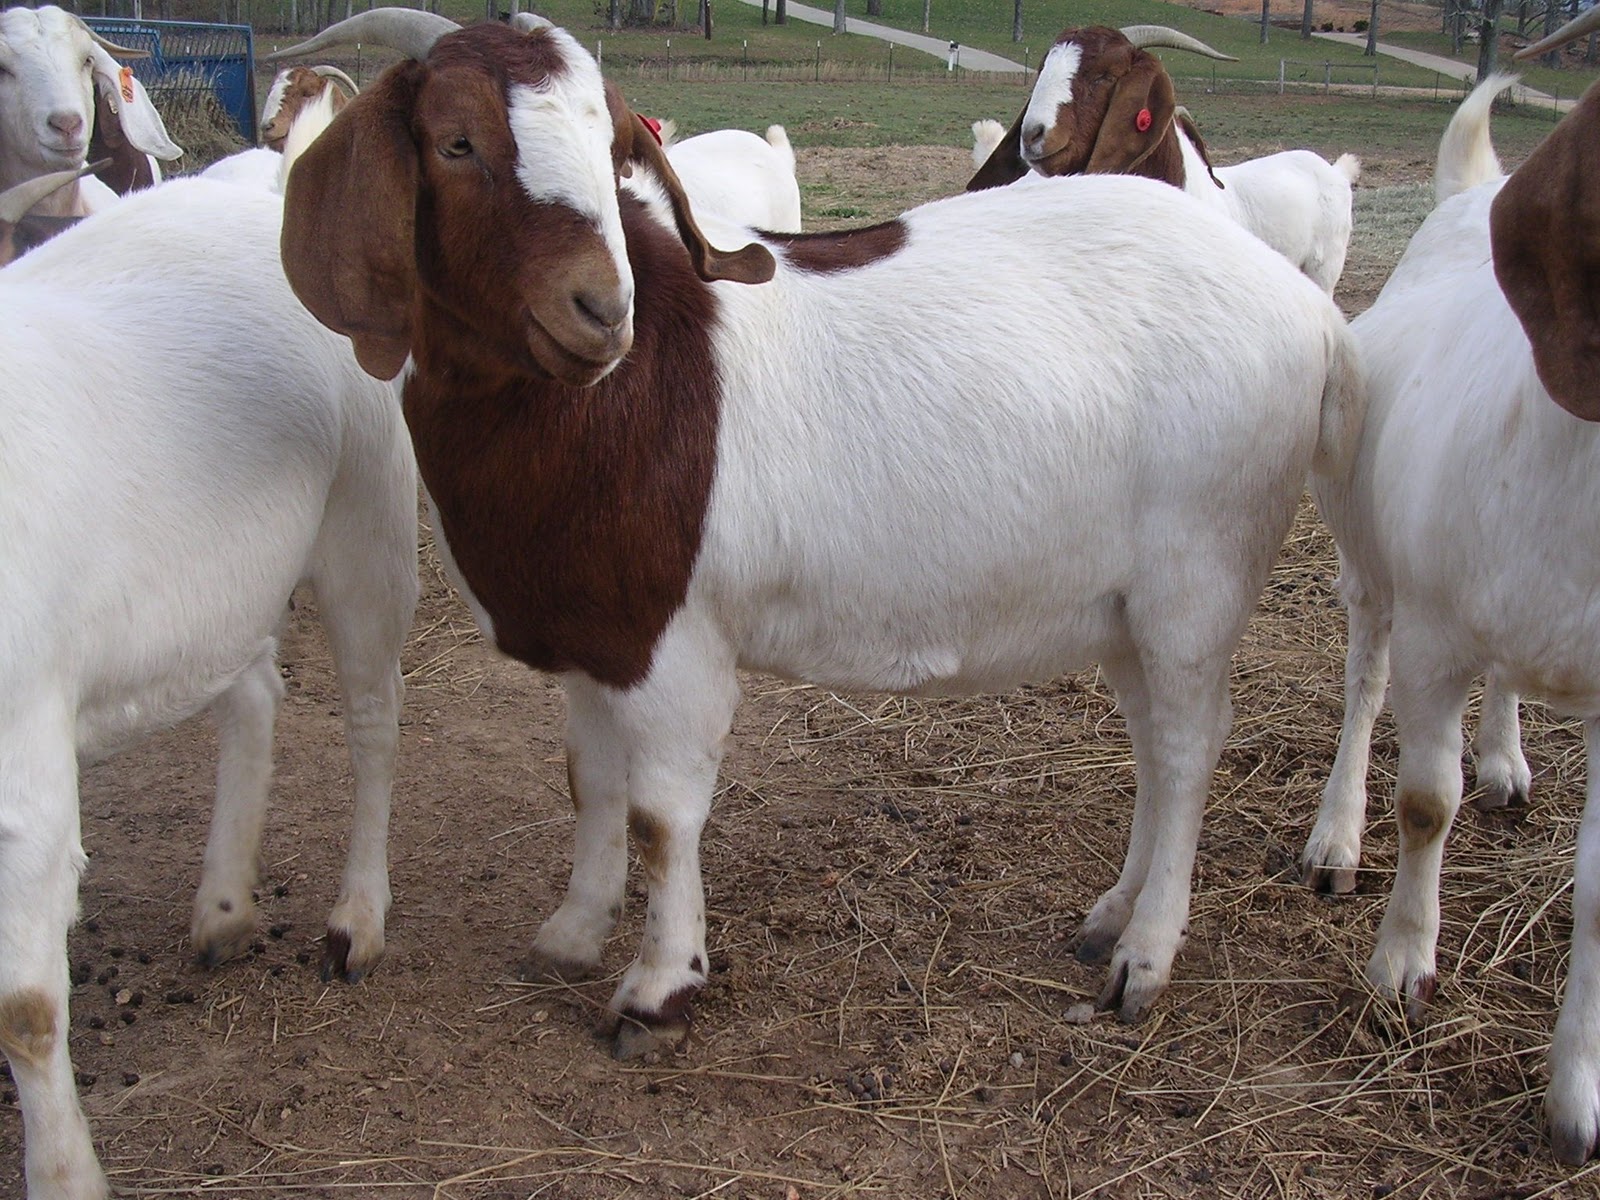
[[966, 57], [1451, 68]]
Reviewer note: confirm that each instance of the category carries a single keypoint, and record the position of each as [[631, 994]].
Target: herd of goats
[[665, 436]]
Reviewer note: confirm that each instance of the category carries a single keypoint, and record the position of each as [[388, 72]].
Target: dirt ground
[[891, 1011]]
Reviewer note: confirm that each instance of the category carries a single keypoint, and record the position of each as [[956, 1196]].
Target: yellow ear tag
[[126, 76]]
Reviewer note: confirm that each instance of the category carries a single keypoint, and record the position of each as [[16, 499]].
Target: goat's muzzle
[[577, 339]]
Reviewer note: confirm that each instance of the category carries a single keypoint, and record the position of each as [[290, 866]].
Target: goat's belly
[[991, 652]]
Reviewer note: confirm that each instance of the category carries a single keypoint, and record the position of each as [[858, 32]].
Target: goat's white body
[[1467, 530], [741, 177], [1295, 201], [900, 505], [184, 444]]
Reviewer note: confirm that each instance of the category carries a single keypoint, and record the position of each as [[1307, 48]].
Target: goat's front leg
[[224, 921], [569, 944], [40, 861], [1572, 1102], [1428, 703], [675, 724], [1333, 851]]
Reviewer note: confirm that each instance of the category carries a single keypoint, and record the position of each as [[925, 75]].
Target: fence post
[[891, 62], [817, 74], [669, 58], [1280, 77], [745, 57]]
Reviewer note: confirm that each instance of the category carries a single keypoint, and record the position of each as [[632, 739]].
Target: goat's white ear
[[141, 123]]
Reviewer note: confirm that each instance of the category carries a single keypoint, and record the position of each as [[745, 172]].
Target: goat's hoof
[[1419, 998], [540, 967], [1330, 881], [1095, 949], [1571, 1145], [338, 961], [214, 946], [1495, 797], [634, 1037]]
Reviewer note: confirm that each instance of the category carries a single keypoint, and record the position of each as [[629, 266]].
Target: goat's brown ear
[[1186, 122], [633, 142], [1545, 230], [1138, 117], [1004, 164], [349, 219]]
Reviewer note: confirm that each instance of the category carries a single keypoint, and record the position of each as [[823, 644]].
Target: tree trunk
[[874, 8], [927, 14], [1552, 22], [614, 14], [1488, 38], [1306, 20], [838, 16], [780, 14], [1016, 21], [1372, 32], [1266, 18]]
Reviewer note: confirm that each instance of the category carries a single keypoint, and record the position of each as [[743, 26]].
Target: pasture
[[891, 884]]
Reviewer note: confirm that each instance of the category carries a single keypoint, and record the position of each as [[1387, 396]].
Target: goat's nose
[[67, 124], [608, 308], [1033, 135]]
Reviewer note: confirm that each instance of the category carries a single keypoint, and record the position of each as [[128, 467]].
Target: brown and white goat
[[295, 89], [651, 468], [1104, 104]]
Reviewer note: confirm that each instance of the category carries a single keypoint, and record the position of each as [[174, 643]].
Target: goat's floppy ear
[[130, 103], [1186, 123], [1004, 164], [1545, 230], [349, 220], [633, 142], [1138, 117], [119, 164]]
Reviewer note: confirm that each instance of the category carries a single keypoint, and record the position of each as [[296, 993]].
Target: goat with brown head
[[472, 111], [1103, 104], [293, 90]]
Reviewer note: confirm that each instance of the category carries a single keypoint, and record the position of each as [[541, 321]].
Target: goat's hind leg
[[40, 861], [1502, 774], [224, 920], [1572, 1102]]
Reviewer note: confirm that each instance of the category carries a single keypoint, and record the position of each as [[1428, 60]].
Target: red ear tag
[[1142, 121], [654, 126], [125, 80]]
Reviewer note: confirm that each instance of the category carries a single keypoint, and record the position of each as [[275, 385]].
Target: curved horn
[[1148, 37], [1574, 29], [527, 22], [335, 73], [15, 201], [408, 30], [112, 48]]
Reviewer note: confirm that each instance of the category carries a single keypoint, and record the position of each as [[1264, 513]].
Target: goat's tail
[[1466, 155], [778, 139], [986, 135], [1344, 405], [1349, 166]]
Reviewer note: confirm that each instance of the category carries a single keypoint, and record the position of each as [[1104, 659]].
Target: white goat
[[1103, 103], [742, 178], [1466, 529], [51, 69], [1054, 471], [184, 444]]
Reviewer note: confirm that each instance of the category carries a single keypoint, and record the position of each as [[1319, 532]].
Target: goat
[[297, 88], [986, 135], [1103, 103], [20, 229], [54, 71], [742, 177], [652, 467], [1465, 530], [184, 448]]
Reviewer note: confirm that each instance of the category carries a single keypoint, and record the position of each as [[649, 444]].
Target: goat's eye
[[457, 147]]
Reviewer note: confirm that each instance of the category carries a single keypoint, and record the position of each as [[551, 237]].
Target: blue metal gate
[[190, 61]]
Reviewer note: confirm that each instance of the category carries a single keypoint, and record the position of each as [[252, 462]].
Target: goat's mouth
[[64, 154], [576, 348]]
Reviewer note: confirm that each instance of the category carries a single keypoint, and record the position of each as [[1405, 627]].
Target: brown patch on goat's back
[[575, 514], [827, 253]]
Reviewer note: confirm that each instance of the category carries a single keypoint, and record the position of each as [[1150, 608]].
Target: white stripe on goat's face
[[1053, 89], [563, 133], [274, 100]]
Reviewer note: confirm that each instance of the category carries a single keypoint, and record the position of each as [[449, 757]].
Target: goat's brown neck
[[575, 514]]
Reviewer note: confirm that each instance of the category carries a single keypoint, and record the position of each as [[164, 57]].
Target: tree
[[1016, 21], [838, 16], [1266, 18], [1305, 22], [927, 14], [874, 8], [1488, 38], [1372, 32], [781, 13]]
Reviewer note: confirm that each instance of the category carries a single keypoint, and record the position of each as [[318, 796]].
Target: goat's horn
[[1148, 37], [112, 48], [16, 200], [408, 30], [528, 22], [1570, 32], [335, 73]]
